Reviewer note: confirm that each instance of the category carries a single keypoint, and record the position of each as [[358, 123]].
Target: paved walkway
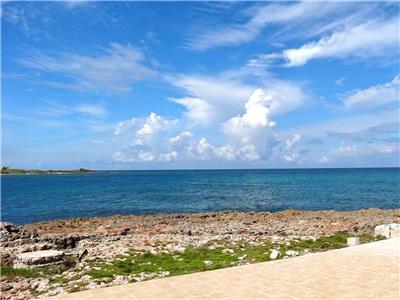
[[369, 271]]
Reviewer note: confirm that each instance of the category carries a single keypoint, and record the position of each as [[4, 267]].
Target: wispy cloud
[[223, 95], [71, 4], [260, 16], [55, 109], [115, 71], [197, 110], [375, 95], [373, 38]]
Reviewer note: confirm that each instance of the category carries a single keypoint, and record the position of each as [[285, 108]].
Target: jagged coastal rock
[[74, 246]]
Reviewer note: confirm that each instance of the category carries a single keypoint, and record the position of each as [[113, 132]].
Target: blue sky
[[150, 85]]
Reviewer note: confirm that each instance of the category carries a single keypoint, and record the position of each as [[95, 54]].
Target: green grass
[[59, 280], [10, 272], [336, 241], [192, 259]]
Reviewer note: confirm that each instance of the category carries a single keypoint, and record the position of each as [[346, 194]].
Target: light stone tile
[[368, 271]]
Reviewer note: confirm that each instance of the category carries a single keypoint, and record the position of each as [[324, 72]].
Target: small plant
[[10, 272]]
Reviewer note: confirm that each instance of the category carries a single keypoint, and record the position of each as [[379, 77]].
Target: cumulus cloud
[[375, 95], [170, 156], [256, 115], [346, 150], [247, 137], [221, 96], [291, 157], [152, 125], [143, 138], [114, 71], [120, 156], [253, 128], [181, 139]]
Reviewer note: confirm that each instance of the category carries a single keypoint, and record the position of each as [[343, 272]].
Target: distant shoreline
[[9, 171]]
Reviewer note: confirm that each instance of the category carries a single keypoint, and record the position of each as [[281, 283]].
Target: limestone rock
[[38, 258], [208, 262], [10, 232], [274, 254], [353, 241], [292, 253], [388, 230]]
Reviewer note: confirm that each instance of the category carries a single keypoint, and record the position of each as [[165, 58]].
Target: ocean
[[31, 198]]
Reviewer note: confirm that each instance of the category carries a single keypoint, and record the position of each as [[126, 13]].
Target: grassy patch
[[59, 280], [10, 272], [191, 260], [220, 255], [336, 241]]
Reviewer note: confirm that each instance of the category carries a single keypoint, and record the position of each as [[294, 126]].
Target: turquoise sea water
[[30, 198]]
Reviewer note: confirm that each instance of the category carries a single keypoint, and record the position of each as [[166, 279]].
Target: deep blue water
[[30, 198]]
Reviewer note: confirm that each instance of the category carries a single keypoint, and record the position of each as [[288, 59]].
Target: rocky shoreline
[[76, 250]]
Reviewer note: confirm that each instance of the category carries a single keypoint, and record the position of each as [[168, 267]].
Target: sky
[[193, 85]]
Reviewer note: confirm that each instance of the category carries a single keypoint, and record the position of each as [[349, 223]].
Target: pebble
[[274, 254], [208, 262]]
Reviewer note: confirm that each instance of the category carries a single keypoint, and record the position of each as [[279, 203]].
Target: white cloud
[[347, 124], [115, 71], [227, 152], [123, 126], [291, 157], [260, 17], [324, 159], [170, 156], [256, 115], [55, 109], [346, 150], [372, 38], [252, 130], [215, 90], [145, 156], [121, 157], [73, 3], [351, 153], [91, 109], [385, 148], [197, 110], [181, 139], [340, 81], [143, 139], [202, 150], [375, 95], [247, 137], [290, 143], [152, 125], [225, 94], [249, 152]]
